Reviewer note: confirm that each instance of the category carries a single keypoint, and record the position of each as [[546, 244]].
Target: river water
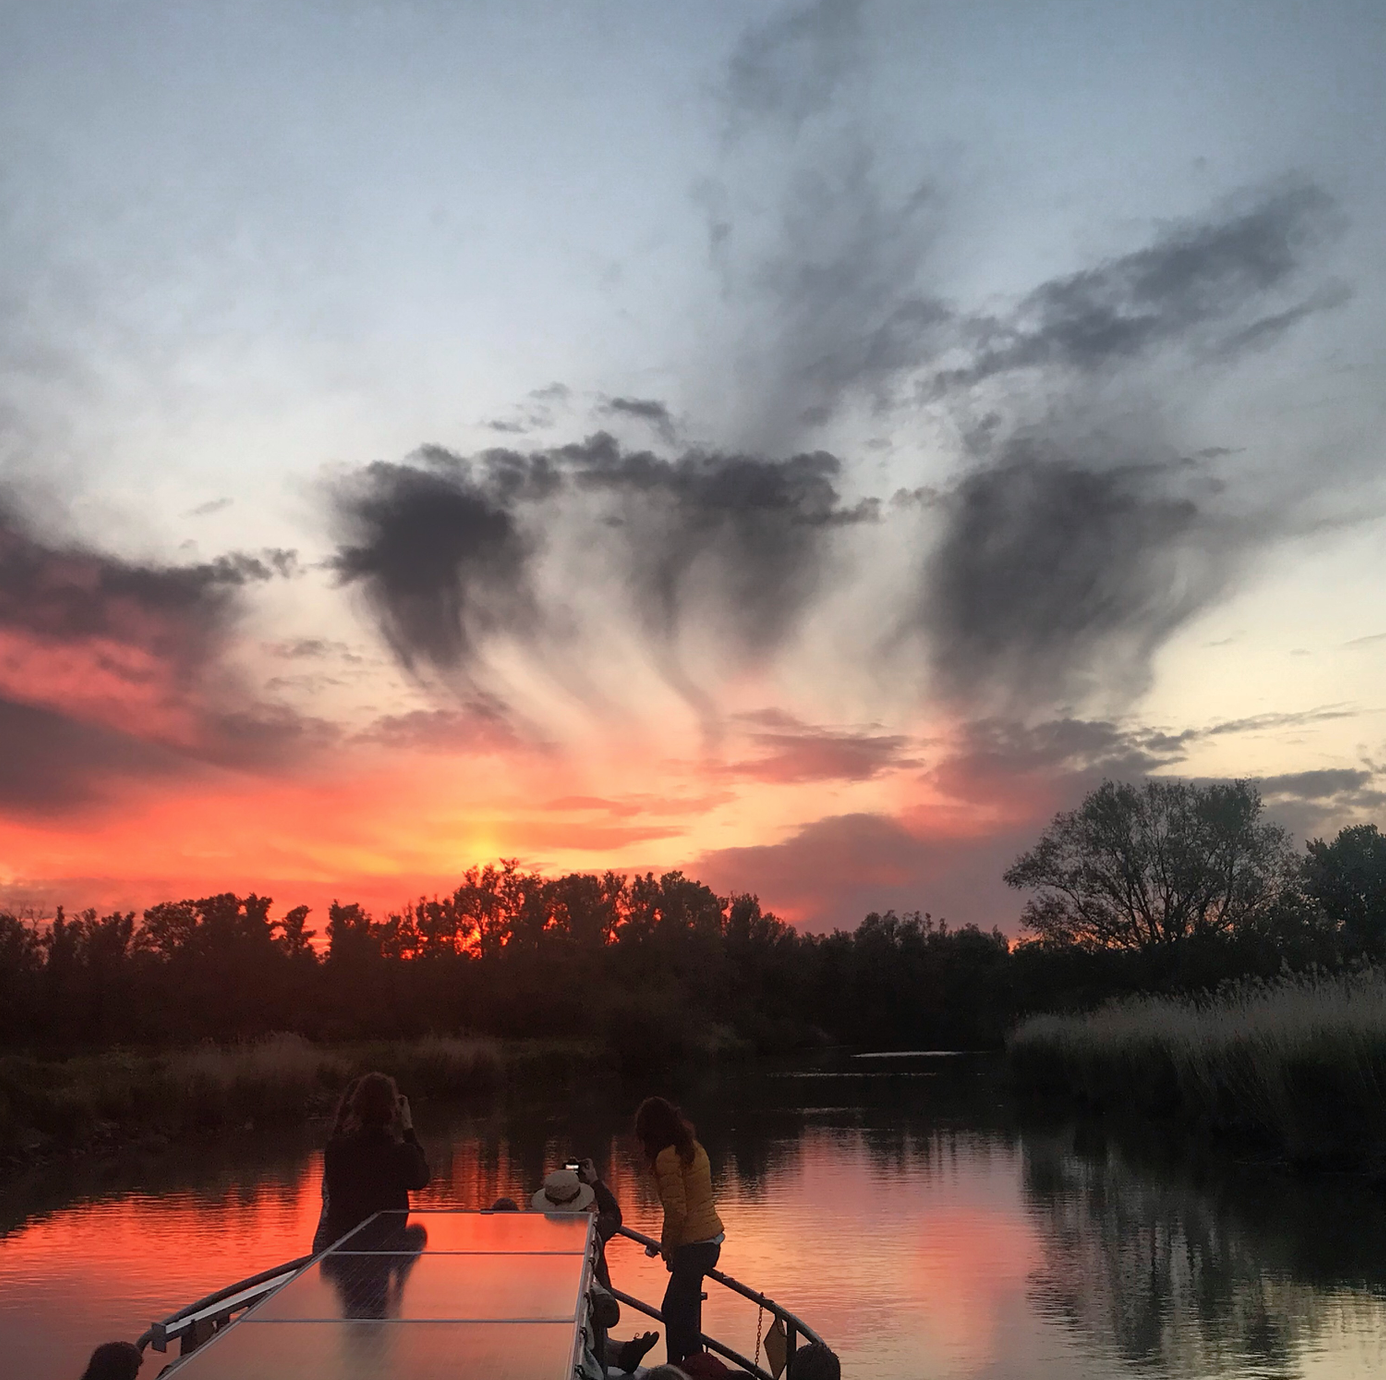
[[924, 1225]]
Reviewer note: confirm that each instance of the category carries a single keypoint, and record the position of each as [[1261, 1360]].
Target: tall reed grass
[[282, 1079], [1298, 1063]]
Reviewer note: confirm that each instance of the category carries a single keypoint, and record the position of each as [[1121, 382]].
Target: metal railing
[[199, 1321], [794, 1326], [195, 1324]]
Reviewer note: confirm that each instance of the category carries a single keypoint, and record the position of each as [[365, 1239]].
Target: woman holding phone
[[372, 1161]]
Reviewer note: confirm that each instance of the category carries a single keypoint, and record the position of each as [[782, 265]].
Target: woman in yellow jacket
[[691, 1239]]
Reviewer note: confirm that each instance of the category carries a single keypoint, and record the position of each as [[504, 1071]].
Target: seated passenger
[[372, 1160], [114, 1361], [582, 1190], [814, 1362], [703, 1365]]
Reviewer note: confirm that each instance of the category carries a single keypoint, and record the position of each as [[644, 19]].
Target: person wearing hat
[[582, 1190], [576, 1190], [567, 1190]]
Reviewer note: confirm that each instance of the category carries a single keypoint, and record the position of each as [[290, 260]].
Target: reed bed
[[119, 1096], [1298, 1063]]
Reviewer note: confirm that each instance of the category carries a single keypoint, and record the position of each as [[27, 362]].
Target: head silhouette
[[814, 1362], [113, 1361], [375, 1100]]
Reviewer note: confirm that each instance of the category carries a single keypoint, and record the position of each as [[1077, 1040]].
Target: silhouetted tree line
[[1167, 886]]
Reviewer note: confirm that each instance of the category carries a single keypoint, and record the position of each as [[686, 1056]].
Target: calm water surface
[[924, 1226]]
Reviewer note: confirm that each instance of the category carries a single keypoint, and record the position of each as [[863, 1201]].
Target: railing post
[[791, 1344]]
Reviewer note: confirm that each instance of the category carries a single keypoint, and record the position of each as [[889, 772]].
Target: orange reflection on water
[[100, 1271]]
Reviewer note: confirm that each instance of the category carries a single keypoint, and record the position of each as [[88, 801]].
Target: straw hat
[[563, 1191]]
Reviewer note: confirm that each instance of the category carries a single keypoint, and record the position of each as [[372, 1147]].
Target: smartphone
[[574, 1165]]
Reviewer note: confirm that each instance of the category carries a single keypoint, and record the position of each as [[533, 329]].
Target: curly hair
[[659, 1124]]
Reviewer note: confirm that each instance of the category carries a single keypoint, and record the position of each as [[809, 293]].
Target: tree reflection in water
[[1195, 1267]]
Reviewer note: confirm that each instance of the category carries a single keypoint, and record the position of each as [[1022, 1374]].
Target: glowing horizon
[[806, 448]]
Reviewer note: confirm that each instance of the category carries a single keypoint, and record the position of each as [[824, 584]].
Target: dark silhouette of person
[[691, 1238], [114, 1361], [583, 1190], [373, 1159], [817, 1361]]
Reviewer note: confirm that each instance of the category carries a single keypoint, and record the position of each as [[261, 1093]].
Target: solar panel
[[489, 1296]]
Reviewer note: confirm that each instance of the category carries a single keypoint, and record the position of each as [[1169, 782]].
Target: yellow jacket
[[685, 1190]]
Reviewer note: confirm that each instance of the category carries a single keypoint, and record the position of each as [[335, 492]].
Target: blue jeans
[[683, 1299]]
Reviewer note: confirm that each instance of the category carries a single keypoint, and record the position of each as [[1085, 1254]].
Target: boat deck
[[420, 1296]]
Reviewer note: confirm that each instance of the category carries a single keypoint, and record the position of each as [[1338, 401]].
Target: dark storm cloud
[[1048, 571], [447, 549], [1208, 284], [739, 539], [440, 552], [1067, 556]]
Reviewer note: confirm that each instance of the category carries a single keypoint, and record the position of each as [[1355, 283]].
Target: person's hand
[[406, 1117], [587, 1172]]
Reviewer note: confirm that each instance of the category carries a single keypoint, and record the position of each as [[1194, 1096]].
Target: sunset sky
[[804, 445]]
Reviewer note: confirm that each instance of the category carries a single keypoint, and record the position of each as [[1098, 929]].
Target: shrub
[[1298, 1062]]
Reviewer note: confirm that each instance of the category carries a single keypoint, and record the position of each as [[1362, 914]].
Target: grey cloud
[[68, 593], [1260, 723], [791, 751], [1194, 286], [51, 763], [1073, 549], [649, 410], [1049, 572], [214, 505], [1316, 803], [313, 649], [833, 871], [837, 308], [162, 631], [751, 529], [793, 66], [1325, 784], [446, 548], [992, 757], [440, 553], [479, 728]]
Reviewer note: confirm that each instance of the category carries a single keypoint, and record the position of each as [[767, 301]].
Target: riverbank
[[104, 1101], [1296, 1065]]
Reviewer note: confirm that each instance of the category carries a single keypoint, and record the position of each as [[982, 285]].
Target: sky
[[806, 445]]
